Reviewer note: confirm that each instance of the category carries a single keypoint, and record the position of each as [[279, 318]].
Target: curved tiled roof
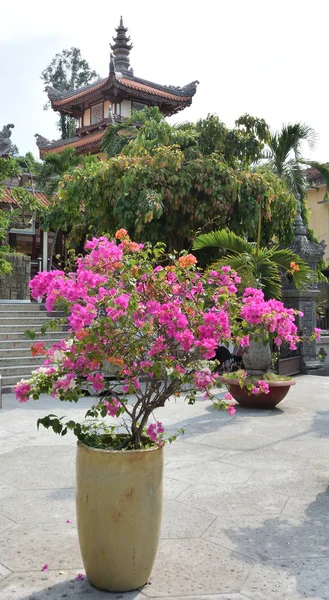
[[134, 83], [80, 92], [81, 142], [161, 92], [6, 197]]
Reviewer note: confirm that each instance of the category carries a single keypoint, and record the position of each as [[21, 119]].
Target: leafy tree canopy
[[165, 182], [68, 71]]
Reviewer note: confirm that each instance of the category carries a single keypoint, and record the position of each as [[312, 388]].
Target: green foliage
[[10, 168], [285, 158], [29, 164], [168, 182], [68, 71], [258, 267]]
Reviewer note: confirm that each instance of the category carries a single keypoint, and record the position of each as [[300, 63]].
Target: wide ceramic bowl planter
[[278, 391], [119, 511]]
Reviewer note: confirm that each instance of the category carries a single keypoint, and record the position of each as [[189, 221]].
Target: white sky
[[265, 57]]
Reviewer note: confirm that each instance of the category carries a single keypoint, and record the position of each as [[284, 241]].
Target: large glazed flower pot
[[278, 391], [119, 510]]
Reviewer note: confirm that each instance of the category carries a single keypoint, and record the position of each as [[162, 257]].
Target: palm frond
[[225, 239], [284, 257]]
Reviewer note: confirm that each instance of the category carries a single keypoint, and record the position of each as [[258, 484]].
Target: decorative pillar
[[305, 299], [45, 251]]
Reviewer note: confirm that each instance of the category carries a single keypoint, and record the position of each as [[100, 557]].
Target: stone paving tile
[[60, 475], [30, 546], [55, 586], [234, 440], [25, 456], [178, 522], [5, 524], [3, 573], [39, 506], [189, 451], [269, 537], [206, 472], [173, 488], [302, 579], [264, 459], [306, 446], [230, 499], [314, 508], [187, 567], [6, 490], [291, 483], [208, 597]]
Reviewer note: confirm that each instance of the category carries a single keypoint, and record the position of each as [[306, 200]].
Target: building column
[[45, 251]]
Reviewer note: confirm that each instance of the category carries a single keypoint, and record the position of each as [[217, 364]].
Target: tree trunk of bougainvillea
[[257, 357]]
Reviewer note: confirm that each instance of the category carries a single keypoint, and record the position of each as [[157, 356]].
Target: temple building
[[111, 99]]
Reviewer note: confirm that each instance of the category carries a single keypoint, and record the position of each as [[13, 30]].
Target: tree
[[258, 267], [9, 169], [68, 71], [53, 168], [285, 158], [168, 182]]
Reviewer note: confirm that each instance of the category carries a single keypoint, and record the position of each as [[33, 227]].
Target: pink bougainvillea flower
[[45, 567], [317, 332], [155, 431], [69, 520], [80, 577], [231, 410], [264, 386], [228, 397], [112, 407]]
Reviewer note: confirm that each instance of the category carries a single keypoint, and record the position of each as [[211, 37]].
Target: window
[[138, 105], [96, 113], [116, 108]]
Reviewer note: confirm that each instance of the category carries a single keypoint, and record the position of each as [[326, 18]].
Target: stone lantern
[[305, 299]]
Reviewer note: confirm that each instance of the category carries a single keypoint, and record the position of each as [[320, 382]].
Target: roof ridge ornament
[[121, 49]]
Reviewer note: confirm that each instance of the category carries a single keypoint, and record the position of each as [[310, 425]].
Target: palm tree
[[259, 267], [285, 156], [54, 167]]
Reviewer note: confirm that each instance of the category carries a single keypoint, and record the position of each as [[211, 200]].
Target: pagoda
[[111, 100]]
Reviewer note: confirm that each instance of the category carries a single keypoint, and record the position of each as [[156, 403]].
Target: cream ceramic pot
[[119, 511]]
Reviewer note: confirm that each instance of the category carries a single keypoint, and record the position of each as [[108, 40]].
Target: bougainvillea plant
[[155, 321]]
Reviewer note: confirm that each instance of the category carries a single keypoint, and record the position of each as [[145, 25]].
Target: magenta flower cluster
[[156, 323]]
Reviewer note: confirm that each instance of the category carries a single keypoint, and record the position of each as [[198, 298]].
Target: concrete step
[[19, 371], [21, 306], [26, 321], [20, 360], [22, 327], [18, 336], [33, 314], [17, 345], [23, 351]]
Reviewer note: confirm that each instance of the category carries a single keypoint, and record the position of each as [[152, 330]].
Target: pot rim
[[286, 383], [104, 450]]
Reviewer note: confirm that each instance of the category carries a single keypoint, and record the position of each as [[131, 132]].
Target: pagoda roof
[[83, 144], [180, 97]]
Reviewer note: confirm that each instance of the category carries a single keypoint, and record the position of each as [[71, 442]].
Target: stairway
[[16, 361]]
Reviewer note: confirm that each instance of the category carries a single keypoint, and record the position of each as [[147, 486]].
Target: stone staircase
[[16, 362]]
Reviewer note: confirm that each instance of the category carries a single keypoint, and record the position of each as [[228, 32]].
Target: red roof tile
[[80, 143], [130, 83], [6, 197]]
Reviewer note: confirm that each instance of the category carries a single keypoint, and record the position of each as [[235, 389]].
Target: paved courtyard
[[246, 513]]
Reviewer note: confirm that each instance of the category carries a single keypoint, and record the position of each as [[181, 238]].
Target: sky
[[263, 57]]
